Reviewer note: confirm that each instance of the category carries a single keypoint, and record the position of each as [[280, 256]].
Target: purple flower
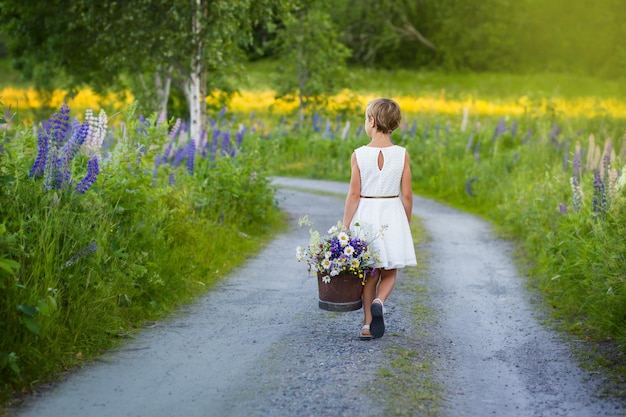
[[599, 195], [470, 142], [179, 156], [60, 124], [499, 130], [92, 247], [72, 146], [93, 169], [514, 128], [327, 130], [42, 154], [576, 166], [468, 187], [175, 129], [556, 130], [316, 119], [563, 208], [191, 152], [413, 129], [226, 142]]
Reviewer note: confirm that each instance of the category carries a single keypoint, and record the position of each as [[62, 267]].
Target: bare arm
[[405, 186], [354, 193]]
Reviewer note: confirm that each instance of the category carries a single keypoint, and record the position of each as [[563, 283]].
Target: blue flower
[[42, 154], [93, 169]]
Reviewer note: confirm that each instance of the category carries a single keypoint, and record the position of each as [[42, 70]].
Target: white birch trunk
[[193, 88], [163, 85]]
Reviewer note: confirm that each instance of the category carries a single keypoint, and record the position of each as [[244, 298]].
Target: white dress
[[384, 217]]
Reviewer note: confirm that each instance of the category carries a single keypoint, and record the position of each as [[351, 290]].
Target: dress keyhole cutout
[[381, 160]]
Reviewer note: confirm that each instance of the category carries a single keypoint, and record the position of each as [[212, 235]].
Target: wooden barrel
[[343, 293]]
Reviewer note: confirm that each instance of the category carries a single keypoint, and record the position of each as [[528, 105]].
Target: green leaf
[[29, 311], [9, 266], [32, 325]]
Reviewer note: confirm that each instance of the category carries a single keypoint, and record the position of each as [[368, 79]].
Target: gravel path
[[257, 345]]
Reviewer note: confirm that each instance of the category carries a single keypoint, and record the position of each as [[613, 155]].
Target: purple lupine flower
[[179, 156], [175, 129], [327, 130], [576, 165], [72, 146], [60, 124], [226, 142], [171, 180], [203, 139], [499, 130], [606, 160], [191, 152], [93, 169], [162, 118], [468, 187], [425, 132], [599, 195], [91, 248], [413, 129], [222, 112], [447, 128], [239, 136], [43, 148], [556, 130], [514, 128], [359, 131], [316, 119], [470, 142], [563, 208]]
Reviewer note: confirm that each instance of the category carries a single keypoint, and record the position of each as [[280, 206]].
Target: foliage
[[517, 172], [82, 267], [163, 50], [312, 58], [341, 251]]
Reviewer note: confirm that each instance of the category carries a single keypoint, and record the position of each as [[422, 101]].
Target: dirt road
[[257, 345]]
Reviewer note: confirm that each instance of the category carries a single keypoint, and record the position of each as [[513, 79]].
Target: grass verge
[[408, 385]]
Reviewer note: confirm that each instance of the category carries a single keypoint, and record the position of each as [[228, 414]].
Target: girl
[[380, 200]]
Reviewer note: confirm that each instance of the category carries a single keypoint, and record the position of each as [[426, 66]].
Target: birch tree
[[194, 45]]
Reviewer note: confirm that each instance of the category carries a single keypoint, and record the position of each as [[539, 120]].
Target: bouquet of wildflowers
[[339, 252]]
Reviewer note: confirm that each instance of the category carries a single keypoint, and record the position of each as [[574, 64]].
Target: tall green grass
[[516, 173], [80, 270]]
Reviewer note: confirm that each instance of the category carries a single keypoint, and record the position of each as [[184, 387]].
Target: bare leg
[[387, 282], [369, 293]]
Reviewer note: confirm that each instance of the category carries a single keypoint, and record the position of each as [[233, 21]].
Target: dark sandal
[[377, 328]]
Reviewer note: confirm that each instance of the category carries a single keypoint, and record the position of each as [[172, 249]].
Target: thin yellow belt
[[382, 196]]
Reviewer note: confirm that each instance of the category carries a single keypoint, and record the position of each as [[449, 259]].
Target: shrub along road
[[257, 345]]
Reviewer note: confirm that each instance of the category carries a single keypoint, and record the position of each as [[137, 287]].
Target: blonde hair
[[386, 114]]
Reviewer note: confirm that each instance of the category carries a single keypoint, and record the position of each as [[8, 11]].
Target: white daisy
[[348, 250], [326, 279], [344, 239]]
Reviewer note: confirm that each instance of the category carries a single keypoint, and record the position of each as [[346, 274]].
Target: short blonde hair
[[386, 114]]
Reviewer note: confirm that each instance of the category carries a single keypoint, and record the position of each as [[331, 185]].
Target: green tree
[[195, 45], [313, 59], [380, 31]]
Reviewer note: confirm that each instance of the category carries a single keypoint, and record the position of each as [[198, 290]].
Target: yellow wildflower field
[[263, 101]]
